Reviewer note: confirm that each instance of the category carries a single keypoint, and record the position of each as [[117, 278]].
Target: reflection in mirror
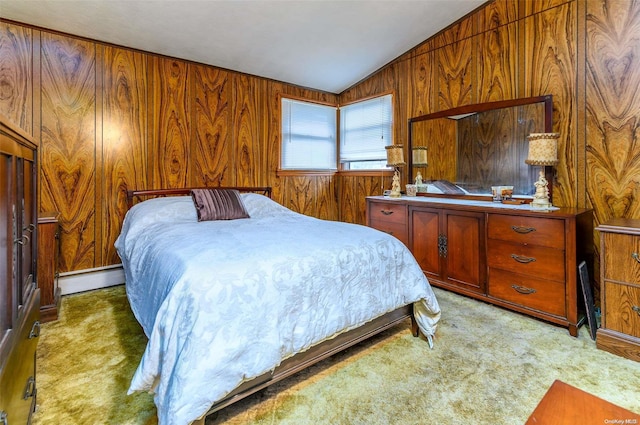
[[480, 146]]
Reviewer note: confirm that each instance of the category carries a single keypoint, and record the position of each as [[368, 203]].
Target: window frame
[[371, 171], [387, 171], [304, 171]]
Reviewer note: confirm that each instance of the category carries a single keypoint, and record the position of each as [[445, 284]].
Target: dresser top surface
[[479, 204], [621, 225]]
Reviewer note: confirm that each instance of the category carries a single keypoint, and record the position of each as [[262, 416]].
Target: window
[[365, 130], [308, 136]]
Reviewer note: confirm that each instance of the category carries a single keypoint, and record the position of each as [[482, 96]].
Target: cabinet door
[[465, 264], [449, 247], [425, 234]]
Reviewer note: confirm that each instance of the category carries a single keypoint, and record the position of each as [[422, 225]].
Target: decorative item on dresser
[[508, 255], [19, 295], [620, 287], [48, 254], [543, 150], [395, 159]]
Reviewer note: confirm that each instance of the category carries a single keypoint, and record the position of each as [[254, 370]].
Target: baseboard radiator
[[90, 279]]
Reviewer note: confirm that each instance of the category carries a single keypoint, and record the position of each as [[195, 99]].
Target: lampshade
[[395, 157], [419, 156], [543, 149]]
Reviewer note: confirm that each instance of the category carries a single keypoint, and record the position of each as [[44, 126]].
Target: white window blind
[[365, 130], [308, 136]]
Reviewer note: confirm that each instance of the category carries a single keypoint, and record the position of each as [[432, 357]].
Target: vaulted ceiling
[[321, 44]]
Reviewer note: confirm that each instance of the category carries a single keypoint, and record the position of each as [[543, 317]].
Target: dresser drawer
[[399, 230], [539, 294], [622, 308], [622, 262], [389, 212], [527, 230], [531, 260]]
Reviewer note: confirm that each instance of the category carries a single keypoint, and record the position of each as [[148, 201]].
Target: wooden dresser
[[620, 288], [508, 255], [19, 295]]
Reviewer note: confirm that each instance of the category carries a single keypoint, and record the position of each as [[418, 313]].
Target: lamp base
[[540, 204], [395, 186], [541, 197]]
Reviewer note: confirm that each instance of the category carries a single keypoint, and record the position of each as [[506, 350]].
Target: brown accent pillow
[[218, 204]]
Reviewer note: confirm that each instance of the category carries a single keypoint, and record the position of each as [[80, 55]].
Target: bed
[[231, 306]]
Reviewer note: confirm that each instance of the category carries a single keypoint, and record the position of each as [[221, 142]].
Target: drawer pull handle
[[35, 330], [523, 289], [523, 230], [636, 257], [636, 309], [30, 388], [521, 259], [386, 212], [3, 418]]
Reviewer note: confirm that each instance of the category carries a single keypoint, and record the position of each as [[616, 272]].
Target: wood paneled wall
[[110, 119]]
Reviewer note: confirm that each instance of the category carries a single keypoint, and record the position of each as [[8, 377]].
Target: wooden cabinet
[[508, 255], [459, 237], [620, 288], [19, 296], [48, 253]]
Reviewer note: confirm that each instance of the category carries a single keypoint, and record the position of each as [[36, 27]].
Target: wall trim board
[[90, 279]]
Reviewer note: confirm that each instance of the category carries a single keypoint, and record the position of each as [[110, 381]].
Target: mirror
[[479, 146]]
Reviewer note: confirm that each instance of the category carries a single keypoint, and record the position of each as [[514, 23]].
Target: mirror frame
[[483, 107]]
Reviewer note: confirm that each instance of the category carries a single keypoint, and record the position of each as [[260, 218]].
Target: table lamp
[[543, 150], [395, 159], [419, 159]]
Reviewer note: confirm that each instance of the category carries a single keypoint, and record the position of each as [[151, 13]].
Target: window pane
[[366, 128], [308, 136]]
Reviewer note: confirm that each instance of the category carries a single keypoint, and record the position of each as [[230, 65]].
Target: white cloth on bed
[[225, 301]]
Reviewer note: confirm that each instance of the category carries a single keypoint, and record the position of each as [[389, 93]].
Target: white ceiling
[[321, 44]]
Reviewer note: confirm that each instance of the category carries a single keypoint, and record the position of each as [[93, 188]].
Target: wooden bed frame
[[307, 358]]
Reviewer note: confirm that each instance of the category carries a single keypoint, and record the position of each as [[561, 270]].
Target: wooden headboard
[[141, 195]]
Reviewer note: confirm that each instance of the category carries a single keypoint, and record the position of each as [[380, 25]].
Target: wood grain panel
[[496, 14], [272, 141], [455, 74], [422, 82], [326, 205], [246, 100], [16, 75], [169, 153], [299, 194], [124, 142], [211, 147], [496, 63], [531, 7], [348, 202], [613, 108], [549, 43], [460, 30], [368, 186], [67, 170]]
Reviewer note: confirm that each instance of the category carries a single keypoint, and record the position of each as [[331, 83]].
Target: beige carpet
[[488, 366]]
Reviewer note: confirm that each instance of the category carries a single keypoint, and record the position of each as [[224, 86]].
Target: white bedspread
[[225, 301]]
